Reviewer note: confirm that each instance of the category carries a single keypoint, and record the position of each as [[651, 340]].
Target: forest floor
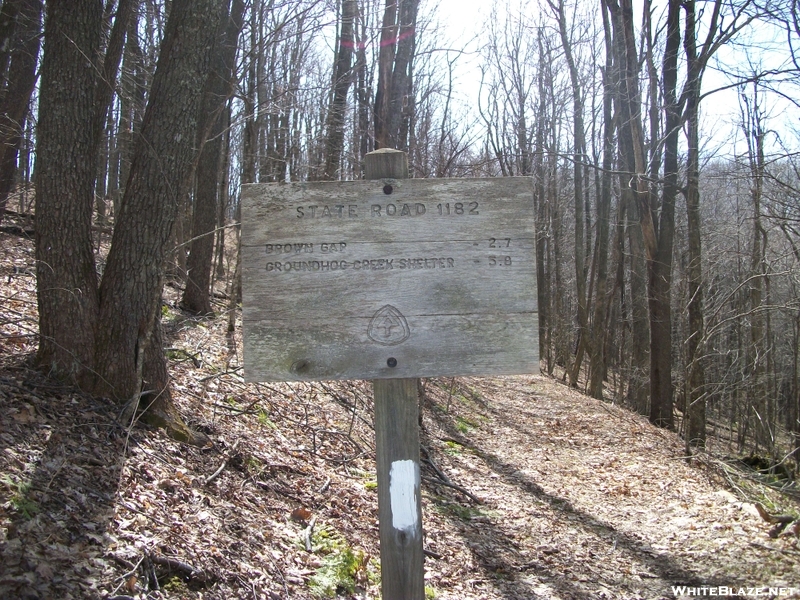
[[531, 490]]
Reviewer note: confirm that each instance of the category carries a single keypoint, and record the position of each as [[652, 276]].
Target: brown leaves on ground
[[571, 498]]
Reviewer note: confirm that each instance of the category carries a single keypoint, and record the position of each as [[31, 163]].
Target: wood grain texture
[[386, 162], [397, 441], [396, 437], [454, 259]]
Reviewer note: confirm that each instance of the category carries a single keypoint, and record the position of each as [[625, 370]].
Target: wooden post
[[397, 452], [458, 302]]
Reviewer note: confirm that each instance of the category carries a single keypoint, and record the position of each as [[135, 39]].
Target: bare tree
[[601, 313], [755, 133], [342, 76], [393, 99], [210, 132], [579, 160], [20, 29]]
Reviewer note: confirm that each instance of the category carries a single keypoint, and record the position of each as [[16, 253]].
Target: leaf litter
[[530, 490]]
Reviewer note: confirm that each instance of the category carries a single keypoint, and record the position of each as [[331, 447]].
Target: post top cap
[[383, 151]]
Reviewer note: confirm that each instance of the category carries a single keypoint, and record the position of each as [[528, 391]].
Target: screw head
[[392, 362], [387, 189]]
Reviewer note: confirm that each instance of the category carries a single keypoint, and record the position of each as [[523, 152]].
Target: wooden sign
[[389, 278]]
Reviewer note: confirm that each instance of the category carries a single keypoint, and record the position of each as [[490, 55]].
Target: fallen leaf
[[301, 514], [45, 570]]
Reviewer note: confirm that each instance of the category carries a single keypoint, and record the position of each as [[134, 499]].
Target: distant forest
[[668, 278]]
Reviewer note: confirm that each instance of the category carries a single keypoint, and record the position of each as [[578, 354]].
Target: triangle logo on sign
[[388, 326]]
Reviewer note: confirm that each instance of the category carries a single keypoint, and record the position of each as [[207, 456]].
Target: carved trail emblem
[[388, 326]]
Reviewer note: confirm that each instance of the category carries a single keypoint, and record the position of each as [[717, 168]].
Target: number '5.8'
[[499, 260]]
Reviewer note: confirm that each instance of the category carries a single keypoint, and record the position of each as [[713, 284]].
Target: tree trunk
[[695, 392], [224, 195], [543, 294], [104, 92], [659, 255], [131, 105], [755, 134], [250, 100], [597, 367], [659, 287], [104, 95], [393, 104], [362, 94], [8, 24], [794, 426], [579, 158], [64, 176], [385, 68], [196, 297], [20, 80], [632, 186], [342, 76], [130, 293], [401, 107]]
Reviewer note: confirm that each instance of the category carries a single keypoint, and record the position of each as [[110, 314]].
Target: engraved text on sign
[[389, 278]]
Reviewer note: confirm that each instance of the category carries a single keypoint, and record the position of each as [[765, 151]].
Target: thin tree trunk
[[635, 195], [385, 69], [104, 95], [362, 94], [196, 296], [755, 138], [405, 102], [638, 390], [659, 255], [393, 99], [224, 195], [794, 427], [540, 198], [250, 133], [20, 80], [104, 92], [579, 157], [597, 367], [695, 392], [342, 76], [131, 105], [8, 23]]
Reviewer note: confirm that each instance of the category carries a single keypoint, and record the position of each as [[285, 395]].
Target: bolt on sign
[[390, 278]]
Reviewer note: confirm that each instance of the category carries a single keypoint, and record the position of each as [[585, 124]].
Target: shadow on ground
[[61, 453], [517, 577]]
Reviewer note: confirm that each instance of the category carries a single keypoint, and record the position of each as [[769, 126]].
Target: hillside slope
[[531, 490]]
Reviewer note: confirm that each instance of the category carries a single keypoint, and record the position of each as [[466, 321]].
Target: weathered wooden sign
[[389, 278]]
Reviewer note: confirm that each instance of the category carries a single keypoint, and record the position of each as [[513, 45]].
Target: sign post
[[390, 279], [397, 443]]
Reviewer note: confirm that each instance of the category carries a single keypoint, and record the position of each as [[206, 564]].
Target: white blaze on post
[[429, 278], [403, 486]]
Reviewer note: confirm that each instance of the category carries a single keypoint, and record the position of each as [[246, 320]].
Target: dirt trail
[[585, 500]]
